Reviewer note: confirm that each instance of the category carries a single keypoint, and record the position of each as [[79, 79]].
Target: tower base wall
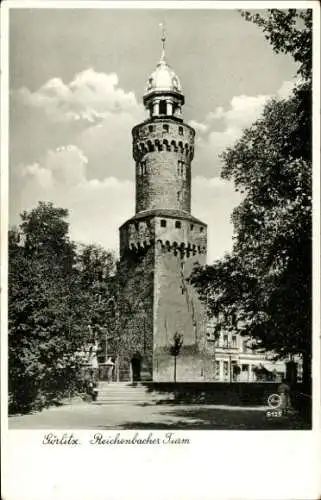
[[157, 301], [135, 327], [191, 366]]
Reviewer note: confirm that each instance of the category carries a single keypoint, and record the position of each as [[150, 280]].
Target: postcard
[[160, 250]]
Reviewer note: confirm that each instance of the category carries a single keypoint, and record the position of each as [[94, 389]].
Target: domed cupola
[[163, 79], [164, 95]]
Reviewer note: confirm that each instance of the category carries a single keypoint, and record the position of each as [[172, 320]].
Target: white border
[[225, 464]]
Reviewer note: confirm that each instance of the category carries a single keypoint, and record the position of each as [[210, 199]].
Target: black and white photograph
[[160, 219], [160, 250]]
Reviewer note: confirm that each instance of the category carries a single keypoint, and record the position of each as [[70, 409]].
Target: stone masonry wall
[[156, 262], [177, 308], [136, 310], [163, 151]]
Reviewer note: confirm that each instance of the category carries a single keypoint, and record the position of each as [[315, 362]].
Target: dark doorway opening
[[136, 368]]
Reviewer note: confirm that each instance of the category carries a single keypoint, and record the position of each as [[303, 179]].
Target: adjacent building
[[236, 361]]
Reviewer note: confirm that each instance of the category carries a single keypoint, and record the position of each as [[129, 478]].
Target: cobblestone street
[[79, 415]]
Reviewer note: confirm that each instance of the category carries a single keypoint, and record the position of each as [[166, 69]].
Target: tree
[[54, 294], [40, 349], [289, 31], [175, 349], [263, 288], [97, 268]]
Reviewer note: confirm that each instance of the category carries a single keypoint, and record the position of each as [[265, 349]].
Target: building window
[[180, 130], [201, 229], [234, 341], [150, 128], [234, 370], [245, 368], [192, 227], [162, 108], [178, 224], [225, 341], [163, 223], [217, 369], [180, 168], [165, 128], [245, 346], [225, 369], [143, 167]]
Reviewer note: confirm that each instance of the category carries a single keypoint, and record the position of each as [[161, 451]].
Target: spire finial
[[163, 39]]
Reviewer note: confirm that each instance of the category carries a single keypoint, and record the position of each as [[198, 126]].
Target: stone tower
[[160, 245]]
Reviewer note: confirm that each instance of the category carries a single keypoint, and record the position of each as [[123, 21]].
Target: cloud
[[213, 201], [286, 89], [89, 97], [91, 111], [223, 127], [98, 207], [198, 126], [71, 144]]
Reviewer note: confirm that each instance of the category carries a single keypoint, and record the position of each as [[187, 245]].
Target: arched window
[[162, 108], [143, 167]]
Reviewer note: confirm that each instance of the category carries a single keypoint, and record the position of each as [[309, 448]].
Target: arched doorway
[[136, 363]]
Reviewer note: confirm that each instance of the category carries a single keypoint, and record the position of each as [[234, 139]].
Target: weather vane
[[163, 39]]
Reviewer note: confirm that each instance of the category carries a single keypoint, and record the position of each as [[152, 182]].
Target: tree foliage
[[289, 31], [55, 292], [263, 288]]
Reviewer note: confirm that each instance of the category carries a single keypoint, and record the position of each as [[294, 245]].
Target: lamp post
[[229, 346], [106, 332], [212, 334], [230, 362]]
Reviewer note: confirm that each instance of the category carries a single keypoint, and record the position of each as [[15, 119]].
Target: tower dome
[[163, 95], [163, 79]]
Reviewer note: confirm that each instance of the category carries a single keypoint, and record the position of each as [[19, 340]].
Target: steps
[[117, 393]]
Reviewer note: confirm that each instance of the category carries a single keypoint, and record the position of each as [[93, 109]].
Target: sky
[[77, 77]]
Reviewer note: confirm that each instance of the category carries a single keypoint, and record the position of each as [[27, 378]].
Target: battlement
[[162, 126], [163, 135], [179, 235], [181, 248]]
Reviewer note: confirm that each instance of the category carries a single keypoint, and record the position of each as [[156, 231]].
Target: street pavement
[[82, 415]]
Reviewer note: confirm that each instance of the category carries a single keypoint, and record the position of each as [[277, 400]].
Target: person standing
[[110, 367], [284, 393], [93, 361]]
